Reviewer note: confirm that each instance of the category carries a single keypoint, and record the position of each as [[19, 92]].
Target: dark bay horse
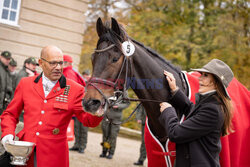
[[114, 70]]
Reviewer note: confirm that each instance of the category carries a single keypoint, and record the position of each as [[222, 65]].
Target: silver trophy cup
[[20, 151]]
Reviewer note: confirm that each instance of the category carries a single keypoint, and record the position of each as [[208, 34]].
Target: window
[[9, 11]]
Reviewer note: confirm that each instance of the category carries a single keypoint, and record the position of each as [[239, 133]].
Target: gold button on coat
[[55, 131]]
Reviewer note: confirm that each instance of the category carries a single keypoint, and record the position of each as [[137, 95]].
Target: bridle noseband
[[121, 94], [109, 83]]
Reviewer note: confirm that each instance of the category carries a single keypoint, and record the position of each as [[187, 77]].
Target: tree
[[192, 32], [104, 9]]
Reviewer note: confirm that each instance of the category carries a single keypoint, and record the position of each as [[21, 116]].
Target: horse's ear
[[115, 26], [100, 27]]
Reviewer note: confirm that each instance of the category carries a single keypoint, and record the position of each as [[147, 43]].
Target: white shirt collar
[[47, 84], [208, 92]]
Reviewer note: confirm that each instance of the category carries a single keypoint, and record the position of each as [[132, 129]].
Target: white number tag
[[128, 48]]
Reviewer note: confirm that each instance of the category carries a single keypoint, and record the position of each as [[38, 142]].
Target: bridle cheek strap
[[108, 83], [105, 49]]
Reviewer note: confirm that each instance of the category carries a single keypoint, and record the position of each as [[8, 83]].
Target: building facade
[[26, 26]]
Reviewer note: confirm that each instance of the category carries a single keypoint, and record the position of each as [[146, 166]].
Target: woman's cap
[[221, 70]]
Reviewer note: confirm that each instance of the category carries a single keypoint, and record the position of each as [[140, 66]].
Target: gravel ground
[[127, 152]]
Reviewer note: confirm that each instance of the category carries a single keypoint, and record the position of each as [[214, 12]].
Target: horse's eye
[[115, 59]]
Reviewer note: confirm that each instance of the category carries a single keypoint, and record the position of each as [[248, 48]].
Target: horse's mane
[[117, 39], [155, 54]]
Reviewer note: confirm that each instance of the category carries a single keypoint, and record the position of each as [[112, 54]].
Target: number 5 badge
[[128, 48]]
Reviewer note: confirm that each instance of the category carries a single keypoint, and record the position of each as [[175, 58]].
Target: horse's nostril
[[91, 105], [95, 102]]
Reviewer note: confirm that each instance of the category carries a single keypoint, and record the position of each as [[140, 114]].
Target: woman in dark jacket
[[197, 138]]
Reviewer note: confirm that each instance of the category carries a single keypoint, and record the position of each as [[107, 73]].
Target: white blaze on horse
[[120, 62]]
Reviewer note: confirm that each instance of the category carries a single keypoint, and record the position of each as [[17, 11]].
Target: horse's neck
[[146, 68]]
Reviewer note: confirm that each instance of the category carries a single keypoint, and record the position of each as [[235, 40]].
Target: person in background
[[86, 75], [6, 90], [28, 70], [12, 68], [6, 78], [110, 128], [141, 119], [49, 102], [80, 131], [197, 138], [70, 72]]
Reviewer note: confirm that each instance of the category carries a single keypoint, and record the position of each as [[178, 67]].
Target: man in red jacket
[[69, 72], [80, 131], [49, 101]]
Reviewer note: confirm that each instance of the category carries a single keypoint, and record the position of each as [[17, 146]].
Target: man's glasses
[[53, 64]]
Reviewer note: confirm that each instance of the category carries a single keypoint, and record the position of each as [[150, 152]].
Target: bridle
[[93, 80], [114, 84], [118, 95]]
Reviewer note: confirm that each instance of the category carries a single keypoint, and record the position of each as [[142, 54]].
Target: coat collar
[[57, 89], [62, 80], [4, 66], [200, 96], [199, 100]]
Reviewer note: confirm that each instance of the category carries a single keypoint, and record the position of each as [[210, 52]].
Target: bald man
[[49, 101]]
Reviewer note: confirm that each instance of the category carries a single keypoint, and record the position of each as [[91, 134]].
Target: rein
[[114, 84], [112, 100]]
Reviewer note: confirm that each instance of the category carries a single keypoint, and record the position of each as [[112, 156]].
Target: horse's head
[[107, 62]]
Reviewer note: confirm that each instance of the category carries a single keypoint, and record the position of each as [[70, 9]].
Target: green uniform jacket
[[22, 73], [6, 90], [141, 114], [110, 131], [115, 114]]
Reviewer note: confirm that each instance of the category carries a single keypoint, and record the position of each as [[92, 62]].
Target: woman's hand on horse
[[171, 81], [164, 105]]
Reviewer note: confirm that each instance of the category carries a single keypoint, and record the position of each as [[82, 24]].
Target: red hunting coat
[[46, 119], [70, 73]]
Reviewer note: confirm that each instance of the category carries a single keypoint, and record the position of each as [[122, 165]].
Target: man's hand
[[7, 138], [164, 105], [115, 106]]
